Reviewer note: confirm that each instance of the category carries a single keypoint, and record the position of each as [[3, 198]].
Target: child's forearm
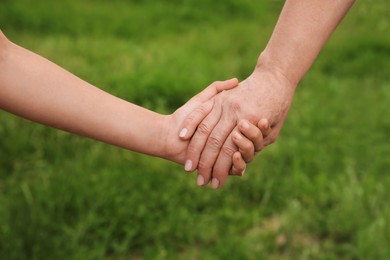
[[39, 90], [301, 31]]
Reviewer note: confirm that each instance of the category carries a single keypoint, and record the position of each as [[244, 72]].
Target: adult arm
[[303, 28]]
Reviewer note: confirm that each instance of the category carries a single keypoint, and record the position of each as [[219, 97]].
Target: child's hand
[[174, 147], [249, 140]]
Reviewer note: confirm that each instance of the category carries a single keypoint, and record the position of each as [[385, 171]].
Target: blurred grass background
[[320, 192]]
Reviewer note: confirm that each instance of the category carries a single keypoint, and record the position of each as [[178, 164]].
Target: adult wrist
[[280, 69]]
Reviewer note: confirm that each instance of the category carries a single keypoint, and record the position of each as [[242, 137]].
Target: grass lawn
[[320, 192]]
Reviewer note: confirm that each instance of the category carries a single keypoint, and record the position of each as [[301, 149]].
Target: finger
[[264, 127], [195, 118], [227, 84], [199, 139], [197, 115], [272, 136], [252, 133], [223, 164], [239, 165], [245, 146], [214, 88], [212, 149]]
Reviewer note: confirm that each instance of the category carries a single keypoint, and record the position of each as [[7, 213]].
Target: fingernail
[[183, 132], [242, 173], [237, 136], [215, 183], [188, 165], [245, 125], [200, 180]]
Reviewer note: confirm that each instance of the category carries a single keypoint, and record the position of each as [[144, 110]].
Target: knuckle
[[192, 150], [202, 110], [204, 129], [227, 151], [189, 120], [215, 141], [216, 84], [193, 118], [248, 147], [204, 166], [234, 105]]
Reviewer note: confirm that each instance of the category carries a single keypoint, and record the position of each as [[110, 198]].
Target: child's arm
[[37, 89]]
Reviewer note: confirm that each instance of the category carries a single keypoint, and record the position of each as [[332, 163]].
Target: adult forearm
[[39, 90], [301, 31]]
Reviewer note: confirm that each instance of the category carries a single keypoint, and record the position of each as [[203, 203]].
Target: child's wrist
[[280, 69], [161, 138]]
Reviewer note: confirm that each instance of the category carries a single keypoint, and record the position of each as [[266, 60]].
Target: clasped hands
[[224, 126]]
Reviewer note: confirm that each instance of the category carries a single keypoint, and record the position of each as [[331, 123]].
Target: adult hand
[[264, 94]]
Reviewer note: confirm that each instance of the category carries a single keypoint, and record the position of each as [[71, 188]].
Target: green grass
[[320, 192]]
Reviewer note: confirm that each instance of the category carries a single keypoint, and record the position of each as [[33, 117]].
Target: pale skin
[[303, 28], [39, 90]]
